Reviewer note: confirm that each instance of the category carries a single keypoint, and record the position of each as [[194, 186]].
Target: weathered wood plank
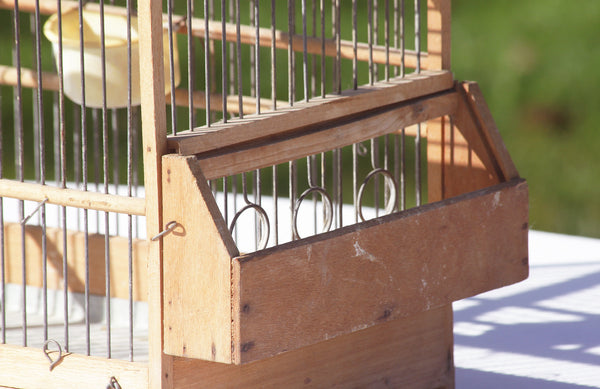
[[197, 266], [73, 371], [413, 352], [327, 137], [315, 112], [353, 278]]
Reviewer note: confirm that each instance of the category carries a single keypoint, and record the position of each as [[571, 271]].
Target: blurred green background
[[538, 65]]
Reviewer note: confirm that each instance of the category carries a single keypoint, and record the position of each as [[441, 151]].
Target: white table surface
[[543, 332]]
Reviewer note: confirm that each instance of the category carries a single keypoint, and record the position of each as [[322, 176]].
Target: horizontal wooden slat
[[75, 241], [315, 112], [414, 352], [29, 368], [353, 278], [72, 197], [324, 138]]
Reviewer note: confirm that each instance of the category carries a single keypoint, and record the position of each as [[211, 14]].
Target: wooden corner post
[[150, 27]]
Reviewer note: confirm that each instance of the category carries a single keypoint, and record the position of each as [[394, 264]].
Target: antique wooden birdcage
[[244, 194]]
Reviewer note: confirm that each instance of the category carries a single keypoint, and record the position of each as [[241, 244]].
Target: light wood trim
[[9, 76], [315, 112], [197, 266], [327, 137], [154, 124], [436, 130], [392, 267], [439, 20], [72, 197], [23, 367], [75, 240], [485, 122], [414, 352]]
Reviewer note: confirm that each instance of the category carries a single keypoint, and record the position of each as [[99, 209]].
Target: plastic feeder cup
[[115, 31]]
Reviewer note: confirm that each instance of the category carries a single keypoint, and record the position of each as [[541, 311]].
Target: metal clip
[[46, 353], [168, 228], [37, 208]]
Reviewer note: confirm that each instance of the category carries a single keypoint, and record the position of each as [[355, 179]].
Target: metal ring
[[327, 204], [168, 228], [264, 221], [45, 351], [390, 206]]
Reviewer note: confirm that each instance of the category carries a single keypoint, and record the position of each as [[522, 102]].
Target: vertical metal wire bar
[[171, 61], [275, 206], [418, 137], [211, 57], [418, 34], [191, 59], [340, 192], [292, 185], [370, 39], [239, 62], [338, 44], [207, 75], [130, 167], [304, 52], [84, 179], [403, 169], [232, 50], [375, 36], [322, 9], [273, 66], [115, 158], [252, 50], [41, 162], [334, 64], [386, 26], [224, 75], [19, 146], [258, 201], [291, 56], [313, 63], [396, 32], [257, 53], [105, 180], [355, 180], [402, 38], [396, 139], [386, 156], [225, 200], [375, 165], [354, 46]]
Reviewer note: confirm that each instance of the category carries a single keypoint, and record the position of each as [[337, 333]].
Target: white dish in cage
[[116, 54]]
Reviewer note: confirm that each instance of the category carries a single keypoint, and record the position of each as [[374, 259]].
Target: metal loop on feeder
[[390, 182], [327, 204], [264, 222], [37, 208]]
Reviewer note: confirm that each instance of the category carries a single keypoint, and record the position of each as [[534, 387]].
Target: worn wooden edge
[[321, 287], [76, 264], [72, 197], [326, 137], [306, 114], [197, 266], [24, 367], [413, 352], [472, 95]]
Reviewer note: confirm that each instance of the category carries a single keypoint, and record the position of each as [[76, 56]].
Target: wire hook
[[168, 228], [46, 353]]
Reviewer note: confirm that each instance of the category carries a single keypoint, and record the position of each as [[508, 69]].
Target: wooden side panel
[[415, 352], [197, 266], [396, 266], [119, 266], [22, 367]]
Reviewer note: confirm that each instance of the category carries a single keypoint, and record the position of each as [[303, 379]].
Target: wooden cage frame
[[284, 316]]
